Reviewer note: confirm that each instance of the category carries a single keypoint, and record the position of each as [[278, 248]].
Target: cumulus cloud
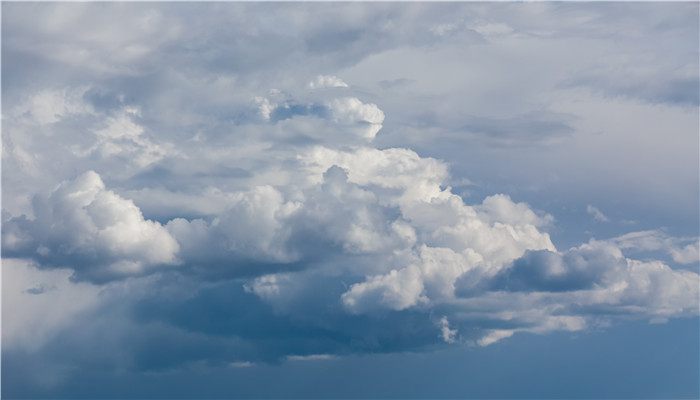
[[377, 229], [396, 290], [84, 226], [225, 222], [344, 234], [595, 264], [580, 287], [251, 228], [365, 119]]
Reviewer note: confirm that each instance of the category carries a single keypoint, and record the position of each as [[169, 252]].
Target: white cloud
[[333, 121], [545, 291], [252, 227], [266, 286], [397, 290], [122, 137], [414, 177], [494, 336], [650, 240], [596, 214], [327, 81], [681, 250], [52, 105], [448, 335], [345, 239], [97, 233], [381, 220], [429, 279], [690, 254], [500, 208], [363, 119]]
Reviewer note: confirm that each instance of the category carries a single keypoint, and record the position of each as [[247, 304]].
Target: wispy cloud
[[596, 214]]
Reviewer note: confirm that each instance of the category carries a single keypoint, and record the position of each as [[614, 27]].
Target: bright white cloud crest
[[99, 234]]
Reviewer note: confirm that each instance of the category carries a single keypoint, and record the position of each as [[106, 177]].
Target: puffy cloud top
[[366, 119], [92, 230]]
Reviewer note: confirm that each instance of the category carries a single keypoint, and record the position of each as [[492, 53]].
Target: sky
[[350, 200]]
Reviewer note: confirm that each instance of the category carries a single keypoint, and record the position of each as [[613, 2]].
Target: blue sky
[[350, 200]]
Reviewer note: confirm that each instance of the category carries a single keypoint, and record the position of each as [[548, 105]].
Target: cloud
[[587, 283], [348, 244], [596, 214], [688, 254], [327, 81], [340, 120], [123, 138], [251, 228], [49, 106], [448, 335], [396, 290], [683, 250], [500, 208], [349, 111], [190, 198], [494, 336], [381, 220], [83, 226], [311, 357]]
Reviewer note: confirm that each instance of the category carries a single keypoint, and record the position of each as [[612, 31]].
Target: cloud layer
[[266, 191], [371, 231]]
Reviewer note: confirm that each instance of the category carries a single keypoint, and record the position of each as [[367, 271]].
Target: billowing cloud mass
[[220, 211], [380, 221], [84, 226]]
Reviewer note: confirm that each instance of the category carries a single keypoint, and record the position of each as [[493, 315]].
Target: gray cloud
[[246, 183]]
